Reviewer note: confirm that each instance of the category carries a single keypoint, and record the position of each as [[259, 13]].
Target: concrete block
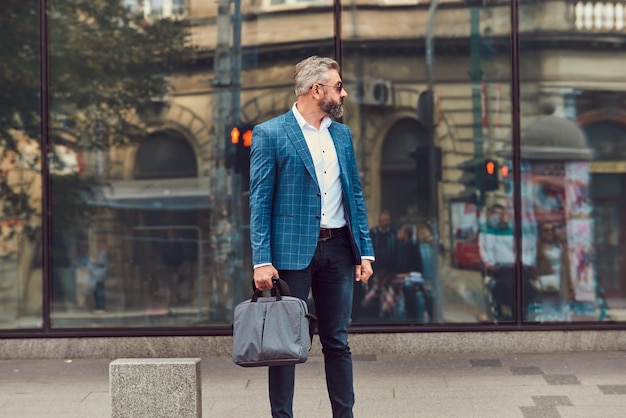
[[155, 388]]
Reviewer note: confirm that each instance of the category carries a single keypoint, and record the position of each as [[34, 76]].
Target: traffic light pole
[[433, 213], [476, 75], [225, 184]]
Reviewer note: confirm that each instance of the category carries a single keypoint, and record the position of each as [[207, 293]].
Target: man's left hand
[[364, 271]]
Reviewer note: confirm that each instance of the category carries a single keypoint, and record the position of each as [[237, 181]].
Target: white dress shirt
[[327, 169]]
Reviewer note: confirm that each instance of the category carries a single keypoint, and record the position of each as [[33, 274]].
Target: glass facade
[[489, 136]]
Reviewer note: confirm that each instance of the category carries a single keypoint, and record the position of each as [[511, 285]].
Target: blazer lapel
[[339, 139], [294, 133]]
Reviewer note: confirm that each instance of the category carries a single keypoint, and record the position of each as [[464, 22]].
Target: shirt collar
[[325, 122]]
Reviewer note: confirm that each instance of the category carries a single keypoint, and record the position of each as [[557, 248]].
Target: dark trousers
[[98, 295], [330, 277], [417, 300], [502, 290]]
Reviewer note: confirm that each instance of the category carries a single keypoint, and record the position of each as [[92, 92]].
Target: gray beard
[[332, 109]]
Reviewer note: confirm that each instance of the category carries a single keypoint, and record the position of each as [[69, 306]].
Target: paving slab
[[587, 384]]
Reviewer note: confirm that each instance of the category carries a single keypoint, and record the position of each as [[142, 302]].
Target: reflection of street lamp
[[429, 115], [226, 110], [476, 75]]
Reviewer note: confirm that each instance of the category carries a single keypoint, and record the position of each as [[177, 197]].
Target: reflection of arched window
[[404, 182], [608, 140], [165, 154]]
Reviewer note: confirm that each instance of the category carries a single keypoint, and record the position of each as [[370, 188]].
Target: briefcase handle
[[281, 288]]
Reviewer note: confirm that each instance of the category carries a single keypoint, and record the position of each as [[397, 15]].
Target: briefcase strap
[[281, 288], [312, 325]]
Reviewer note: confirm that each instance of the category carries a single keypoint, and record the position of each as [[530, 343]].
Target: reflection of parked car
[[467, 255]]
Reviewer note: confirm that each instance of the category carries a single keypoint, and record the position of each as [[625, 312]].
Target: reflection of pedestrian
[[308, 222], [379, 300], [582, 265], [567, 288], [548, 260], [384, 242], [554, 289], [410, 268], [497, 252], [83, 290], [173, 256], [63, 274], [98, 271]]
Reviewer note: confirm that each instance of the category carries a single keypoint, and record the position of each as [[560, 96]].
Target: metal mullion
[[516, 136], [44, 142]]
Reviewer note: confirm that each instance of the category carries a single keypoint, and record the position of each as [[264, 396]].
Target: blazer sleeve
[[360, 222], [262, 183]]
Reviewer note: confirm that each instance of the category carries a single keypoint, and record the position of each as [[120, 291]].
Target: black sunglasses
[[338, 87]]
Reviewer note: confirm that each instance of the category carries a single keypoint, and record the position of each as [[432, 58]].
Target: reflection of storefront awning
[[161, 194]]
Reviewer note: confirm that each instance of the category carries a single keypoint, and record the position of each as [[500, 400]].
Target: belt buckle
[[325, 238]]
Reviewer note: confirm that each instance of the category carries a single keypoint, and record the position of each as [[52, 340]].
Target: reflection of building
[[176, 177], [606, 135]]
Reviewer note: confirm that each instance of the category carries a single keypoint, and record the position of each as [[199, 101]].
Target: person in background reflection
[[384, 242], [548, 269], [98, 271], [496, 244], [380, 298], [173, 257], [553, 286], [567, 287], [63, 274], [410, 269]]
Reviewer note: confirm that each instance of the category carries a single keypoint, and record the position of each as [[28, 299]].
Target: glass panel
[[429, 106], [573, 136], [21, 290], [130, 211], [149, 196]]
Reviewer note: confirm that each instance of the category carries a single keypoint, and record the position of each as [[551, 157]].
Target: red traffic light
[[505, 170], [247, 138], [238, 134], [490, 167], [491, 176], [234, 135]]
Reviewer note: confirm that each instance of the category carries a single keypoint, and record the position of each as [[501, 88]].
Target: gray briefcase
[[272, 331]]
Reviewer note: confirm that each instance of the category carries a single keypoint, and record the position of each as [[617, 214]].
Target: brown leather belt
[[330, 233]]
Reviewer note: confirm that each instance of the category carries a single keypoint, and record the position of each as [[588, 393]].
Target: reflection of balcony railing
[[599, 15], [267, 4], [157, 9]]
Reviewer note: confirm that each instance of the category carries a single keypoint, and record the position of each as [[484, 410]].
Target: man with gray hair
[[308, 223]]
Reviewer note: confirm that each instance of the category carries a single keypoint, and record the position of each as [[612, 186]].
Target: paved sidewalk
[[582, 384]]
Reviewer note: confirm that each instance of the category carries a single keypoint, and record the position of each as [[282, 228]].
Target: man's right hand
[[263, 277], [490, 269]]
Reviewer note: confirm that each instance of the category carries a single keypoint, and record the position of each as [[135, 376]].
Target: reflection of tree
[[106, 66]]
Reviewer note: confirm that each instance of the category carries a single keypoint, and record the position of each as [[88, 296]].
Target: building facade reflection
[[172, 209]]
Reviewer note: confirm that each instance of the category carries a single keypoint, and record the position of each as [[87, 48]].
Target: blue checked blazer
[[285, 199]]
